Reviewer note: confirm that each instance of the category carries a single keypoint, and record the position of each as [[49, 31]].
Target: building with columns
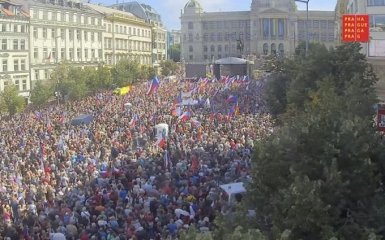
[[125, 36], [269, 27], [14, 40], [63, 30]]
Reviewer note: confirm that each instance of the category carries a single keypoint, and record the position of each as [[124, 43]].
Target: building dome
[[193, 4]]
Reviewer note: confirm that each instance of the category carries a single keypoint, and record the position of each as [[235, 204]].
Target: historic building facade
[[159, 32], [14, 55], [63, 30], [270, 27], [125, 36]]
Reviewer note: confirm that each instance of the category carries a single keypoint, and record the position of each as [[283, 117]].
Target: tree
[[41, 93], [175, 52], [125, 73], [169, 67], [319, 176], [146, 72], [11, 101]]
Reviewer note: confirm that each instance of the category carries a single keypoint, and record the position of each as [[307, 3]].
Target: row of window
[[46, 74], [130, 31], [316, 36], [17, 44], [13, 27], [219, 37], [122, 44], [48, 33], [376, 2], [65, 17], [18, 65], [140, 59], [322, 24], [16, 82], [219, 48], [50, 54], [213, 25]]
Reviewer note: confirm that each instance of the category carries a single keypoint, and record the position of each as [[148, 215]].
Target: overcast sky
[[170, 9]]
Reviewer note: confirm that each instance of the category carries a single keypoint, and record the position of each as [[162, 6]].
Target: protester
[[112, 179]]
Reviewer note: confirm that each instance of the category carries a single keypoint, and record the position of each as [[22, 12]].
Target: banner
[[355, 28]]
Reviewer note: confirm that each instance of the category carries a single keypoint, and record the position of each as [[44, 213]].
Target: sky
[[169, 10]]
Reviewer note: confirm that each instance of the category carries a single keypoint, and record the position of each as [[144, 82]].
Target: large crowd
[[109, 179]]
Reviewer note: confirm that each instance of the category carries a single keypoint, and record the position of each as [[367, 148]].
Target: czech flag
[[232, 99], [185, 116], [195, 123], [153, 86]]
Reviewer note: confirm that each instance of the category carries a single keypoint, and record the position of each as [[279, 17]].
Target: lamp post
[[306, 26]]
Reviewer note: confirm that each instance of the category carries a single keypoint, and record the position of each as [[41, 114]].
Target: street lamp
[[307, 27]]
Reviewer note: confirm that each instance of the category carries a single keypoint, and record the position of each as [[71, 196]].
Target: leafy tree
[[77, 83], [175, 52], [125, 73], [41, 93], [275, 93], [146, 72], [168, 68], [234, 234], [320, 175], [11, 101]]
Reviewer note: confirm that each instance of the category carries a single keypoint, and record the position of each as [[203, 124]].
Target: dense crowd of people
[[111, 179]]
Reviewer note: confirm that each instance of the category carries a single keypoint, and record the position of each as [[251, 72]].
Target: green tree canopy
[[175, 52], [125, 73], [319, 176], [41, 93], [10, 101], [169, 67]]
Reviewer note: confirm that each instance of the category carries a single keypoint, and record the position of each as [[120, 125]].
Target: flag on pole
[[232, 99], [185, 116]]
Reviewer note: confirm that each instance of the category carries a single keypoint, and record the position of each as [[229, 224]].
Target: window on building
[[219, 36], [15, 44], [53, 54], [377, 23], [22, 44], [79, 53], [266, 27], [45, 53], [37, 74], [212, 37], [219, 48], [92, 53], [17, 85], [92, 37], [70, 34], [205, 57], [78, 34], [190, 37], [212, 48], [24, 86], [190, 49], [54, 16], [35, 53], [4, 44], [53, 33], [15, 28], [86, 54], [22, 28], [376, 2], [22, 64], [273, 49], [46, 74], [71, 53], [5, 65], [190, 57], [62, 53], [281, 49], [204, 48], [265, 49], [16, 65], [190, 25], [62, 33], [219, 56], [35, 32], [44, 32], [4, 27]]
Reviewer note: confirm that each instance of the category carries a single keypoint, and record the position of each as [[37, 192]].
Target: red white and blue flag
[[185, 116], [153, 86], [134, 120]]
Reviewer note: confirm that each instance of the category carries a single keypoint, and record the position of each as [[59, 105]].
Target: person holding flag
[[154, 86]]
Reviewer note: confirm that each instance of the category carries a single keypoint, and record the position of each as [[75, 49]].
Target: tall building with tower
[[268, 27]]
